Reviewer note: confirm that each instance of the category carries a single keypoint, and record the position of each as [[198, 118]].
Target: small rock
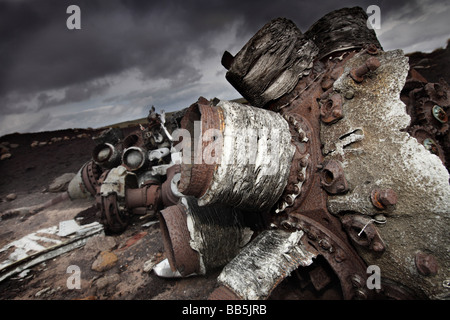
[[60, 183], [11, 197], [5, 156], [43, 143], [100, 243], [105, 261], [3, 149], [34, 144], [107, 280], [43, 291], [13, 145]]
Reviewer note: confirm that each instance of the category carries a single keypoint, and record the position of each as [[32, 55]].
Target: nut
[[426, 264], [383, 199], [358, 73]]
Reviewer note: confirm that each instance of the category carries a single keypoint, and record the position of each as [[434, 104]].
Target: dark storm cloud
[[45, 65], [40, 53], [75, 93]]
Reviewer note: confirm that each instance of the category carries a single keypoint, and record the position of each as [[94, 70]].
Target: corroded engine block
[[339, 153]]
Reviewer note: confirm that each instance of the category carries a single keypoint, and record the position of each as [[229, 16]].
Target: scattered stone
[[13, 145], [43, 291], [5, 156], [105, 261], [150, 264], [42, 143], [61, 183], [100, 243], [88, 298], [3, 149], [56, 139], [34, 144], [11, 197], [103, 282]]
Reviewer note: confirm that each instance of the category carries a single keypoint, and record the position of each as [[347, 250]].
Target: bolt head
[[388, 197], [378, 246], [426, 264], [382, 199], [324, 244], [355, 77]]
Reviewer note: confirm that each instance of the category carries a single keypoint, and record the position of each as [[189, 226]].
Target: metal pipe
[[201, 239], [106, 155], [134, 158], [242, 155]]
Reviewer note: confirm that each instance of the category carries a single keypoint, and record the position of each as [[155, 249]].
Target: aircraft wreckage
[[339, 153]]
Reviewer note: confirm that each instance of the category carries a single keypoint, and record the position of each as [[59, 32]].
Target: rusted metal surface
[[332, 178], [370, 64], [363, 232], [251, 158], [197, 175], [383, 199], [170, 194], [148, 196], [426, 264], [223, 293], [348, 163], [331, 109], [318, 187], [175, 233], [378, 158], [90, 173], [201, 239]]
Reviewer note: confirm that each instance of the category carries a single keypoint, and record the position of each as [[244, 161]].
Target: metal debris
[[42, 245]]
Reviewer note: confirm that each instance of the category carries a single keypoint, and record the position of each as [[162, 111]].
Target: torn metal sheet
[[264, 263], [43, 245]]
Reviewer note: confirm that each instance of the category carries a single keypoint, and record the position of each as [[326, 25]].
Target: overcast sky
[[129, 55]]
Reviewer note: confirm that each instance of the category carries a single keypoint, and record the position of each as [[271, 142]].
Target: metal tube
[[200, 239], [242, 155], [106, 155]]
